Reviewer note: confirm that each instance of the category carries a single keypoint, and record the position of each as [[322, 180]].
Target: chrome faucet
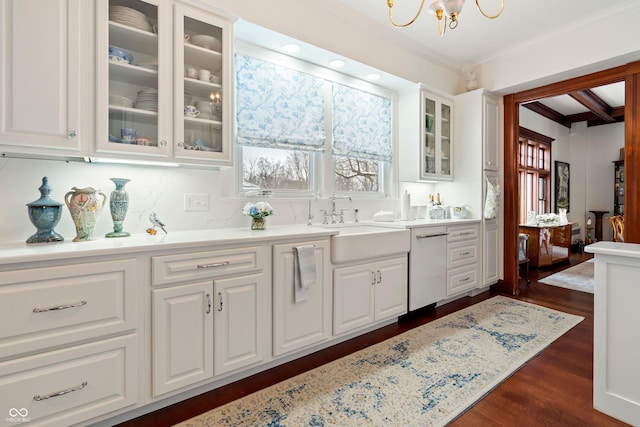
[[335, 214]]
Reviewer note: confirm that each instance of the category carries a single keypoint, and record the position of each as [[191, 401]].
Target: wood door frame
[[630, 74]]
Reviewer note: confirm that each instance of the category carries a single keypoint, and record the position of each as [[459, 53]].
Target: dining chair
[[617, 223], [523, 256]]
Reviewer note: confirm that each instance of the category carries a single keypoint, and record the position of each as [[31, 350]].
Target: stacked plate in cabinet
[[130, 17], [147, 99]]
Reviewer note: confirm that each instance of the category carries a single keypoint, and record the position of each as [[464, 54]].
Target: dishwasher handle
[[427, 236]]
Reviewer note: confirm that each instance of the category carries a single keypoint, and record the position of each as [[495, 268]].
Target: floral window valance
[[361, 124], [278, 107]]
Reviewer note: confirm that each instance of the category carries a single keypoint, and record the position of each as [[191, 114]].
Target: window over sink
[[303, 129]]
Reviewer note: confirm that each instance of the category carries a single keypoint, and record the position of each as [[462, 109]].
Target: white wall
[[593, 46]]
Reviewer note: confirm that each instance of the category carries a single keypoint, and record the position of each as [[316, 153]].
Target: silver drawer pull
[[59, 307], [464, 233], [466, 279], [426, 236], [38, 398], [214, 265], [208, 303], [464, 253], [219, 301]]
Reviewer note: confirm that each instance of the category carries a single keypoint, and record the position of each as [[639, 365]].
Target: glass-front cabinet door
[[132, 97], [436, 145], [163, 82], [202, 73]]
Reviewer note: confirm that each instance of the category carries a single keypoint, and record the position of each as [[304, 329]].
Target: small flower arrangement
[[258, 210], [549, 218]]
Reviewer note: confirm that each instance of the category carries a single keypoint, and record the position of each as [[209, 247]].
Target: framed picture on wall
[[562, 186]]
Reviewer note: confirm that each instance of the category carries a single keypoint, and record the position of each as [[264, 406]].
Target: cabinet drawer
[[53, 306], [204, 265], [462, 253], [462, 279], [456, 234], [72, 385]]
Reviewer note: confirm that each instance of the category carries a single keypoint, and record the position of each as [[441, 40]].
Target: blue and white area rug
[[424, 377]]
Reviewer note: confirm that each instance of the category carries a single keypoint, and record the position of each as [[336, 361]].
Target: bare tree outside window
[[356, 174], [275, 169]]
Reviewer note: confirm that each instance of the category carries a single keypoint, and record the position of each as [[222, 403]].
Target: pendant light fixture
[[445, 10]]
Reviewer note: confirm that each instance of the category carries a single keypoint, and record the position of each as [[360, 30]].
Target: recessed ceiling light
[[373, 76], [336, 63], [291, 48]]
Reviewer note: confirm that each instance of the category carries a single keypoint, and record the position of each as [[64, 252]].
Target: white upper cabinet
[[491, 123], [40, 41], [437, 147], [154, 60], [426, 136]]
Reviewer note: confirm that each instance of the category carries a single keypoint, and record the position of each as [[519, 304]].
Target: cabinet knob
[[73, 134], [163, 143]]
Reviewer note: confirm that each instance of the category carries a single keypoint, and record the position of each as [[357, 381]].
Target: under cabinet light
[[131, 162]]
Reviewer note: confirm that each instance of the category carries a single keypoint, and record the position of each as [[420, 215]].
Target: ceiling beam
[[594, 103], [543, 110]]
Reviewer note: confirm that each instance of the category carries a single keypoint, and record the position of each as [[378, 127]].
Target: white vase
[[563, 216]]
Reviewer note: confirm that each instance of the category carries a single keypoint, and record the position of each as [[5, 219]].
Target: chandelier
[[445, 10]]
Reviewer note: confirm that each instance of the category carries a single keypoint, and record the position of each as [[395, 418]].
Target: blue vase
[[45, 214], [119, 204]]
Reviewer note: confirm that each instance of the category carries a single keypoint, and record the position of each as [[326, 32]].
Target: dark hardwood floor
[[552, 389]]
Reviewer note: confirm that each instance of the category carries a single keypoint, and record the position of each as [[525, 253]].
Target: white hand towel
[[304, 261]]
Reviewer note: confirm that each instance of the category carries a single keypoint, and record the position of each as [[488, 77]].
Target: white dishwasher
[[427, 266]]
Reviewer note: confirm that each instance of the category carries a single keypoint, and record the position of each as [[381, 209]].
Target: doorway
[[630, 74]]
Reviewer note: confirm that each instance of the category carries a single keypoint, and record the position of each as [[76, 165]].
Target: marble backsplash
[[158, 189]]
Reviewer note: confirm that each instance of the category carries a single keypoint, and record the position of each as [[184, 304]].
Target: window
[[297, 123], [534, 172]]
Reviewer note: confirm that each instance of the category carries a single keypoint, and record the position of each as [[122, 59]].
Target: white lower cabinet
[[490, 245], [241, 323], [297, 325], [182, 336], [214, 317], [368, 293], [68, 340], [71, 385], [462, 259]]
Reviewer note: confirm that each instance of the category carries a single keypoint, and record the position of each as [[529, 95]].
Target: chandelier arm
[[444, 28], [483, 12], [390, 4]]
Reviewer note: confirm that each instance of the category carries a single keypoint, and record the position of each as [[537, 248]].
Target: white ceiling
[[478, 39], [612, 94]]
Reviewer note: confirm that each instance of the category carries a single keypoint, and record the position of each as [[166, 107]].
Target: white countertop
[[21, 252], [631, 250]]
